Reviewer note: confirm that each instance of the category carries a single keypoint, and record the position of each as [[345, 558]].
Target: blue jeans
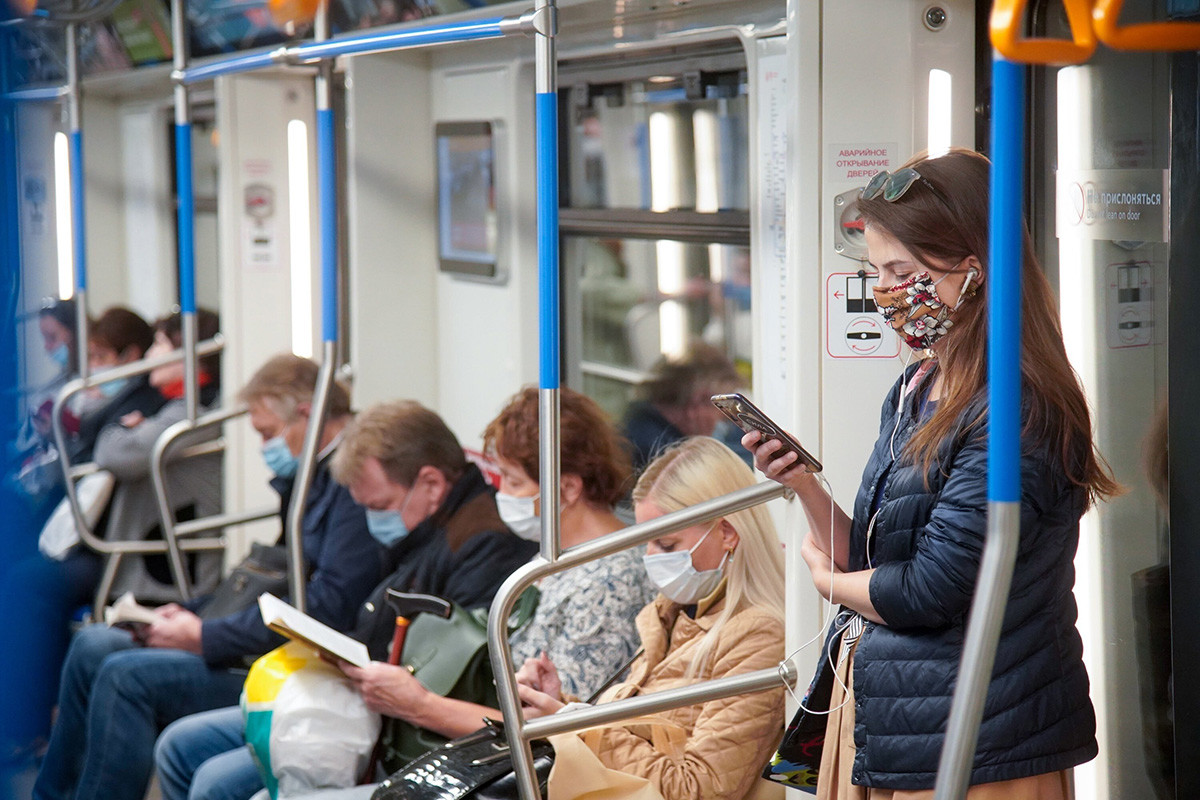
[[204, 757], [114, 699]]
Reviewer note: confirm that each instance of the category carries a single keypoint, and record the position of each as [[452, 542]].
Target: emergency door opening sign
[[853, 326]]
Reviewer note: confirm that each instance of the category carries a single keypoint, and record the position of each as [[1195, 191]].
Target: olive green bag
[[450, 658]]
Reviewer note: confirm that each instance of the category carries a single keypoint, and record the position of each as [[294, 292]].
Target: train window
[[641, 298], [655, 224], [663, 143]]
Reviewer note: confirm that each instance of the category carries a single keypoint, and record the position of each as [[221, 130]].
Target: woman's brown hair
[[590, 445], [942, 228], [119, 329]]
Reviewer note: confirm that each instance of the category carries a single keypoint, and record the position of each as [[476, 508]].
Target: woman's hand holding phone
[[784, 468]]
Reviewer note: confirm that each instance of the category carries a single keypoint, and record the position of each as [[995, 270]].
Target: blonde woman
[[719, 613]]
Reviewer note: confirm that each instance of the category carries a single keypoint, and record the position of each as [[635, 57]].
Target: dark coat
[[137, 395], [462, 552], [926, 546], [343, 561]]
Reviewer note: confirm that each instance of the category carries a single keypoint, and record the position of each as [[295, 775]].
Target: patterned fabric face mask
[[913, 310]]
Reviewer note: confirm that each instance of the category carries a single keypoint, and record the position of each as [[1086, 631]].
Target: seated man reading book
[[445, 537], [118, 692]]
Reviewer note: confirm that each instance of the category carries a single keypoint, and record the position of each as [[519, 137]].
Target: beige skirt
[[837, 760]]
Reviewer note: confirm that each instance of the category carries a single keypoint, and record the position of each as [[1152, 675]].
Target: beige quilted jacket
[[729, 740]]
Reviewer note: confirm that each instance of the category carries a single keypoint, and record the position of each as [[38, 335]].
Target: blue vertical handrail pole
[[78, 218], [546, 133], [186, 253], [328, 226], [544, 24], [1004, 436], [185, 213]]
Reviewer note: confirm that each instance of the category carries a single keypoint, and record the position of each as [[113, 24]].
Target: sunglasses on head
[[894, 185]]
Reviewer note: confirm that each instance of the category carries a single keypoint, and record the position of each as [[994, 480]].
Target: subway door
[[1112, 192], [269, 279], [873, 83]]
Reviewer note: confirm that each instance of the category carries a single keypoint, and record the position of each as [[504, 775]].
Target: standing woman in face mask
[[904, 565], [719, 613]]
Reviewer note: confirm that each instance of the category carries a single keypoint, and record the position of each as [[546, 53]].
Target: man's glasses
[[893, 185]]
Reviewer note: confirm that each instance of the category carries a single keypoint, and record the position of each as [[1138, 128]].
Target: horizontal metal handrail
[[500, 652], [361, 43], [191, 527], [716, 689], [145, 547]]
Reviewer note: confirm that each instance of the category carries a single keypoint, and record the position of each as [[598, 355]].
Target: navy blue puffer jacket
[[926, 546]]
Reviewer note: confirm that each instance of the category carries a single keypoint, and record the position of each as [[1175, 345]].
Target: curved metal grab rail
[[747, 683], [74, 387], [167, 442], [1007, 23], [520, 732], [1153, 36], [294, 530]]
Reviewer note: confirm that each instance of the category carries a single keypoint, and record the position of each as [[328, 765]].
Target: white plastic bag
[[317, 731], [59, 534]]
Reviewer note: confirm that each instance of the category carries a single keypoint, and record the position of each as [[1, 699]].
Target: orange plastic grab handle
[[1007, 22], [1143, 36]]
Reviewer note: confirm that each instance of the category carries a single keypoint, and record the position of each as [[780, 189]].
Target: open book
[[298, 626], [126, 612]]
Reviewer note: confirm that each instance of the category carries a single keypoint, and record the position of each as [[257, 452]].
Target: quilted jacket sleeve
[[934, 587], [731, 739]]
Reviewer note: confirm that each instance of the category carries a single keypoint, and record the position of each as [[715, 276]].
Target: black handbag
[[475, 766], [798, 757], [264, 570]]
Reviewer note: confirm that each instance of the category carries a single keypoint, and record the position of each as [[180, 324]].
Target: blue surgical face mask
[[387, 526], [110, 389], [61, 355], [279, 458], [678, 579]]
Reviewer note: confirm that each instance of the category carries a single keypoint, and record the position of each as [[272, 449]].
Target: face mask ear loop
[[900, 402], [962, 293]]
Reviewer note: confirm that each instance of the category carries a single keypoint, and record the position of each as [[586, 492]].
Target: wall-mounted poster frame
[[468, 219]]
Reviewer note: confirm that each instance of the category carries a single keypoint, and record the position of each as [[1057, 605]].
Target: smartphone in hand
[[748, 417]]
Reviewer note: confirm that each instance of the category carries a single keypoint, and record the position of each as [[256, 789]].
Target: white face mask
[[678, 579], [518, 514]]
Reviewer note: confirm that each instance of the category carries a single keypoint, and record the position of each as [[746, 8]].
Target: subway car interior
[[449, 200]]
